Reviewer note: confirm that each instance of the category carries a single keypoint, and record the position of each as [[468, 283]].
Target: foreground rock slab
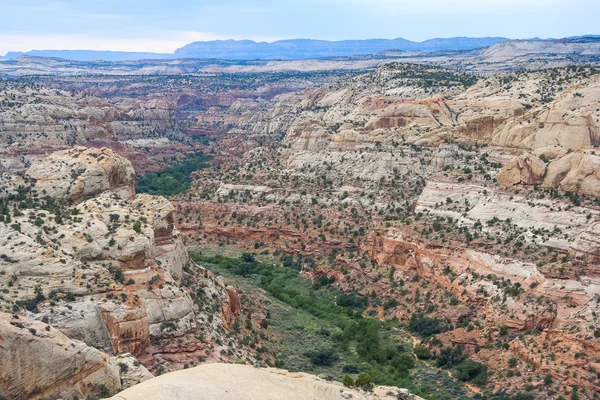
[[241, 382]]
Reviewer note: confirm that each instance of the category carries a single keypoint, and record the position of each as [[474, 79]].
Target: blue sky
[[163, 26]]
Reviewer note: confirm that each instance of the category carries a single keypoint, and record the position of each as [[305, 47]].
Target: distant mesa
[[298, 49], [283, 49]]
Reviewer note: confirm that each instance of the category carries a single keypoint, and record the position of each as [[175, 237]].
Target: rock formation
[[104, 274], [81, 173], [526, 170], [575, 172]]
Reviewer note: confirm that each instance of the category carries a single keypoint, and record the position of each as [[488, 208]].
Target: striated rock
[[526, 169], [308, 135], [39, 361], [480, 128], [487, 205], [235, 382], [80, 173]]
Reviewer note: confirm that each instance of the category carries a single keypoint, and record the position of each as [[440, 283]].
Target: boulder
[[526, 169]]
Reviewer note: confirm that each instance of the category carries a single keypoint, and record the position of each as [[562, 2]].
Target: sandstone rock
[[80, 173], [486, 205], [231, 308], [240, 382], [569, 121], [526, 169], [577, 172], [308, 135], [39, 361]]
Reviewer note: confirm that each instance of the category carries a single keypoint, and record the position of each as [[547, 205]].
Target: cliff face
[[38, 361], [573, 172]]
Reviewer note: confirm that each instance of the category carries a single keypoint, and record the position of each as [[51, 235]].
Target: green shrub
[[425, 326], [364, 380], [324, 357], [422, 353], [137, 226], [348, 381], [470, 370], [449, 357]]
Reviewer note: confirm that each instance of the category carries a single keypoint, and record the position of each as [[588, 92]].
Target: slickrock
[[241, 382], [549, 222], [570, 120]]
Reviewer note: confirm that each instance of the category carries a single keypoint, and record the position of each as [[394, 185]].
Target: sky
[[163, 26]]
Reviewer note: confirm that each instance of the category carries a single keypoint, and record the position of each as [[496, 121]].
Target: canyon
[[442, 198]]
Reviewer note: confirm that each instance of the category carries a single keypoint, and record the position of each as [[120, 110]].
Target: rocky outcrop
[[568, 118], [577, 172], [231, 308], [38, 361], [574, 172], [81, 173], [132, 372], [234, 382], [115, 243], [526, 169], [479, 129], [308, 135]]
